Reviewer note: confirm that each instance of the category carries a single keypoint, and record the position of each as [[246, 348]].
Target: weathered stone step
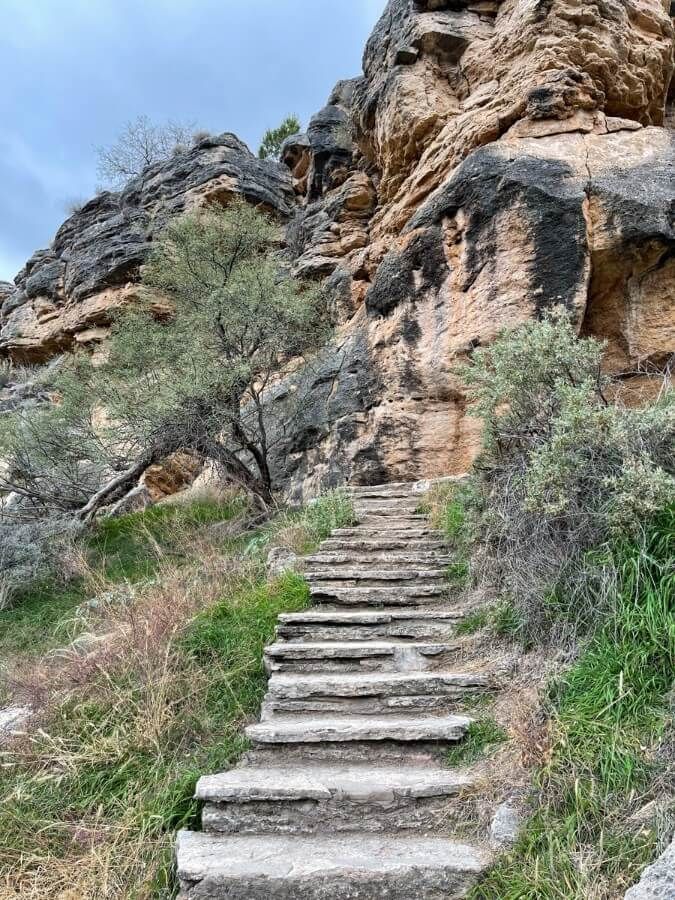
[[392, 595], [377, 753], [392, 522], [362, 625], [380, 559], [377, 684], [307, 730], [333, 798], [211, 867], [389, 656], [393, 489], [247, 783], [381, 693], [382, 545], [371, 575], [382, 507], [414, 531]]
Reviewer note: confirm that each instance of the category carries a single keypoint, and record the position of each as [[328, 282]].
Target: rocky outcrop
[[64, 295], [496, 158], [515, 156]]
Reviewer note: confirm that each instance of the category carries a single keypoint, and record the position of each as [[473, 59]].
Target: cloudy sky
[[74, 71]]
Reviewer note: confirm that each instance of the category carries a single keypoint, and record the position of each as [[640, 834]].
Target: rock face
[[508, 157], [494, 160], [65, 294]]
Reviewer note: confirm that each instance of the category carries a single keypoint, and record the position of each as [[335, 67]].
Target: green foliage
[[30, 556], [193, 365], [34, 623], [130, 548], [303, 530], [482, 737], [610, 714], [270, 148], [473, 622], [563, 468], [457, 573]]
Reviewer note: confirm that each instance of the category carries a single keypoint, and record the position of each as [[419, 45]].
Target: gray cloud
[[73, 72]]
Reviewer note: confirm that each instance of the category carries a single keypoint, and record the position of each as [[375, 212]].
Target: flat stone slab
[[389, 595], [359, 728], [325, 867], [349, 649], [380, 558], [366, 617], [382, 545], [368, 573], [300, 687], [357, 783], [414, 531]]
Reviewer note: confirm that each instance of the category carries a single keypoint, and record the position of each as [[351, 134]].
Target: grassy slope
[[92, 801], [608, 721]]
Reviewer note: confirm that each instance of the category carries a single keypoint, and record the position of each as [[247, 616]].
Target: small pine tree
[[270, 148]]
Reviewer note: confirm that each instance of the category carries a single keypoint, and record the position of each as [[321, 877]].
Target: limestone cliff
[[494, 159]]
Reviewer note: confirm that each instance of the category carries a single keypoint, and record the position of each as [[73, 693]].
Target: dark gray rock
[[105, 242], [410, 273]]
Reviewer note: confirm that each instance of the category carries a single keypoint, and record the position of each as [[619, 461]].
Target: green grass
[[457, 573], [127, 547], [610, 714], [119, 756], [34, 624], [474, 621], [482, 737]]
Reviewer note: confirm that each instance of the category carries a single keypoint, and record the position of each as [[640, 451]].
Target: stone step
[[377, 753], [390, 684], [392, 595], [307, 730], [413, 531], [394, 489], [362, 625], [380, 559], [392, 522], [370, 575], [331, 798], [382, 507], [381, 693], [383, 656], [326, 867], [246, 784], [382, 545]]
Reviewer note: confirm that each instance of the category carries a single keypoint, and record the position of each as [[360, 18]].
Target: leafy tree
[[194, 365], [141, 143], [270, 148]]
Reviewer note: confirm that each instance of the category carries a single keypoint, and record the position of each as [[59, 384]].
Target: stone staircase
[[345, 794]]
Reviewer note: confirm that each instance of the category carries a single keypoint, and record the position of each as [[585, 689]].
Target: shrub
[[563, 468], [270, 148], [31, 552], [612, 729]]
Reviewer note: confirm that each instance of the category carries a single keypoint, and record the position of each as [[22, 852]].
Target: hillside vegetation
[[567, 531], [161, 634]]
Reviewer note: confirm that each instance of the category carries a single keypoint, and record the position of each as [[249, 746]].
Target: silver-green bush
[[564, 467]]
